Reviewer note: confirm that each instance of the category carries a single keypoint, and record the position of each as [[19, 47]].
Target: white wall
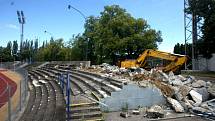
[[202, 62], [133, 96]]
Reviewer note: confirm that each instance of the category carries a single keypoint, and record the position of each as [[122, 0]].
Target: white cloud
[[12, 26]]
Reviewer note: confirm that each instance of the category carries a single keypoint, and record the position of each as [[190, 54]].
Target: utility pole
[[21, 20]]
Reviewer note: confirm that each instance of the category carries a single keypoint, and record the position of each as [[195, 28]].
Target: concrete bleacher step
[[99, 80], [117, 84], [89, 84], [86, 116], [99, 118], [84, 109], [93, 104], [107, 90], [48, 103]]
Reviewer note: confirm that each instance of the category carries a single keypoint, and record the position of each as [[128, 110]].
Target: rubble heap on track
[[185, 94]]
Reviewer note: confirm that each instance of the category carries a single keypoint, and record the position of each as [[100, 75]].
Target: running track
[[4, 93]]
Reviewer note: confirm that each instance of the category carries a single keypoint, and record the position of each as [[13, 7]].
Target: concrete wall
[[202, 62], [133, 96]]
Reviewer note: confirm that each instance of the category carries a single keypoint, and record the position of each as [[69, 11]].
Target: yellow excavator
[[174, 61]]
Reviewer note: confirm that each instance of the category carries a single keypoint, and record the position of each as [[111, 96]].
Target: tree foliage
[[205, 9], [112, 35], [115, 33]]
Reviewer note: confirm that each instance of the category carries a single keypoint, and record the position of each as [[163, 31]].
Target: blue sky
[[54, 17]]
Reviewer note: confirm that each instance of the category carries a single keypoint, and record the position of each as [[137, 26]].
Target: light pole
[[85, 18], [21, 20], [49, 34], [69, 7]]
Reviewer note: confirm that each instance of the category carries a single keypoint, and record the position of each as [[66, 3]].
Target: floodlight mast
[[21, 19]]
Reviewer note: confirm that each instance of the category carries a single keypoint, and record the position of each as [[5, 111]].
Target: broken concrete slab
[[199, 110], [171, 75], [188, 104], [205, 106], [196, 96], [211, 91], [124, 114], [176, 82], [188, 81], [208, 84], [204, 92], [176, 105], [136, 112], [182, 78], [184, 90], [155, 112], [199, 83]]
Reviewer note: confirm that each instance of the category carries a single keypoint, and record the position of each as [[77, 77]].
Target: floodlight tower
[[192, 32], [21, 20]]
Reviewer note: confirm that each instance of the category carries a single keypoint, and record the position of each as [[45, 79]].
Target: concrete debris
[[198, 84], [191, 77], [199, 110], [182, 92], [203, 91], [124, 114], [176, 105], [182, 78], [176, 82], [211, 91], [171, 75], [188, 81], [155, 112], [196, 96], [188, 103], [208, 84], [136, 112], [205, 106], [191, 102]]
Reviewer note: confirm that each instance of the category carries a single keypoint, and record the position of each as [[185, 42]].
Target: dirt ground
[[15, 99]]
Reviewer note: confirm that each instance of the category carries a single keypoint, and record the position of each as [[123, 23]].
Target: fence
[[14, 97]]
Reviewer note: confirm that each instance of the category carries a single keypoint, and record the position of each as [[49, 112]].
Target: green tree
[[205, 10], [15, 49], [116, 33]]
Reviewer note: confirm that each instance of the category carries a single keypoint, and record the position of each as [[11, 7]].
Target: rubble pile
[[185, 94]]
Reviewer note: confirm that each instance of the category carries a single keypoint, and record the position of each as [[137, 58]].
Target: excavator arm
[[176, 61]]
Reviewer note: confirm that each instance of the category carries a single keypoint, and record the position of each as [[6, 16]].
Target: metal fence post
[[9, 103], [26, 86], [20, 96], [68, 95], [62, 81]]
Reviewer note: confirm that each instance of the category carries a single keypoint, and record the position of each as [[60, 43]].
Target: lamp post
[[49, 34], [21, 20], [85, 18]]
